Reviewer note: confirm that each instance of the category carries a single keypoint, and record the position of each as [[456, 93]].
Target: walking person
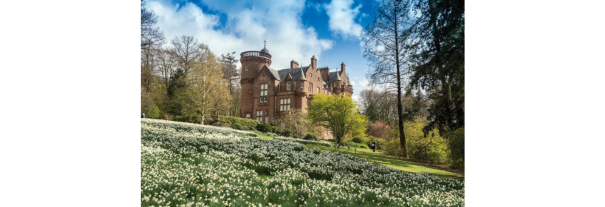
[[143, 116], [374, 146]]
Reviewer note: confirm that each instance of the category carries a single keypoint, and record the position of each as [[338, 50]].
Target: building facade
[[268, 93]]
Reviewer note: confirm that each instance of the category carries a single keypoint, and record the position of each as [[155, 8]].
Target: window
[[246, 67], [310, 87], [317, 89], [294, 85], [289, 84], [247, 115], [317, 78], [283, 125], [284, 104], [302, 84], [266, 116], [263, 93], [259, 116]]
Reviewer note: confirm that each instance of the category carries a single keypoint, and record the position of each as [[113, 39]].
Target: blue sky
[[294, 29]]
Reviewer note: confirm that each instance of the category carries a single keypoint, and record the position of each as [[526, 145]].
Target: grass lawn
[[382, 158], [263, 135]]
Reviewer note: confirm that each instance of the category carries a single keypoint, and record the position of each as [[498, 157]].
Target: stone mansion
[[268, 93]]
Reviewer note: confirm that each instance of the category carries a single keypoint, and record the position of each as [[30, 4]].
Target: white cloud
[[342, 18], [248, 25]]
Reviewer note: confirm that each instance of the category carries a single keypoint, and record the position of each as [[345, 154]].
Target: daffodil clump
[[192, 165]]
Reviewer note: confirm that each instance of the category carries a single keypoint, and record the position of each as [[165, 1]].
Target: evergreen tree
[[438, 60]]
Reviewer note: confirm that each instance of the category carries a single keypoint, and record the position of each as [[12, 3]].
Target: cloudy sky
[[294, 29]]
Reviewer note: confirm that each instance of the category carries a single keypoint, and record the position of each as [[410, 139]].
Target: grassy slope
[[380, 157]]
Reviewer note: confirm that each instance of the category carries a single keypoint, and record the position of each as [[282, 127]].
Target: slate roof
[[299, 74], [296, 73], [274, 72], [332, 76]]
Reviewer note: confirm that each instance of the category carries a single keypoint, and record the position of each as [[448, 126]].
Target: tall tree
[[151, 39], [383, 43], [415, 106], [337, 113], [150, 34], [187, 50], [231, 74], [438, 60], [298, 121], [176, 92], [208, 89], [166, 65]]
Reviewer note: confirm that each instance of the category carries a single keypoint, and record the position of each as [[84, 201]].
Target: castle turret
[[252, 63]]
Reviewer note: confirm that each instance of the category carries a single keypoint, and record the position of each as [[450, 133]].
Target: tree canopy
[[339, 114]]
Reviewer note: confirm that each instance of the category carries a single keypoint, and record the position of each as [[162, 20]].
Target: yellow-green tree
[[340, 114], [208, 89]]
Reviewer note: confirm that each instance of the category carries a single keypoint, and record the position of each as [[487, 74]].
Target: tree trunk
[[399, 106]]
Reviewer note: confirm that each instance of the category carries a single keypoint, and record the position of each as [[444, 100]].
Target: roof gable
[[270, 71], [294, 73]]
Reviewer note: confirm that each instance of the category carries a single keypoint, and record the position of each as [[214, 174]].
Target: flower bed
[[192, 165]]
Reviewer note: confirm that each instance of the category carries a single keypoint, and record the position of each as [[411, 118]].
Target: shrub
[[236, 126], [430, 148], [266, 128], [310, 137], [361, 139], [188, 118], [244, 123], [379, 129], [286, 133], [153, 112], [456, 146], [392, 147]]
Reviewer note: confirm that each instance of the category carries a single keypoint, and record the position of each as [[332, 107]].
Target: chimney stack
[[314, 62], [342, 67], [293, 64]]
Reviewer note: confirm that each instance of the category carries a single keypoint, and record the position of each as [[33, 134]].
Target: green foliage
[[437, 55], [243, 123], [354, 144], [236, 126], [339, 114], [412, 110], [146, 100], [153, 112], [285, 133], [430, 148], [266, 127], [456, 145], [361, 139], [310, 137]]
